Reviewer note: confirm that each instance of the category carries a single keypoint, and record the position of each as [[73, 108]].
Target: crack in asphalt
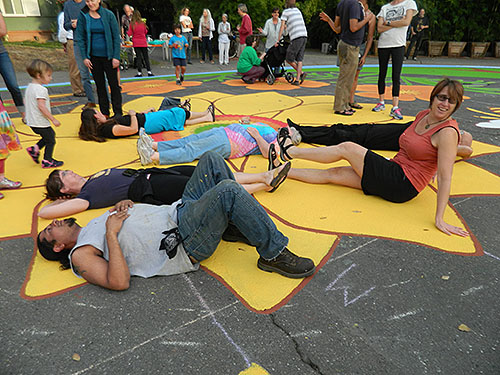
[[303, 356]]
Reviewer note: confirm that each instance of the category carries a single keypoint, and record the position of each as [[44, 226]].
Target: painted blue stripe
[[288, 68]]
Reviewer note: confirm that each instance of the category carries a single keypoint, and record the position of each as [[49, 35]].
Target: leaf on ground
[[445, 277], [76, 357], [464, 328]]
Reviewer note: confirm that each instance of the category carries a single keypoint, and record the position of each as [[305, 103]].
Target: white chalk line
[[462, 201], [353, 250], [205, 305], [404, 315], [118, 355], [35, 332], [181, 343], [347, 302], [312, 332], [474, 289], [88, 305], [491, 255]]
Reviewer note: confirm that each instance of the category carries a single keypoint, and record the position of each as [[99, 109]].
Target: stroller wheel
[[289, 77], [270, 79]]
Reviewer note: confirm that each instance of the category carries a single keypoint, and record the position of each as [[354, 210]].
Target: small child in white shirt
[[38, 115]]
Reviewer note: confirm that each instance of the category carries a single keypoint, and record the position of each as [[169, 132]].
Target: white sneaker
[[144, 152], [145, 138]]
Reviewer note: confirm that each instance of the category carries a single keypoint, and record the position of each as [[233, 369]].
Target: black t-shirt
[[106, 188], [417, 24], [106, 130], [347, 10]]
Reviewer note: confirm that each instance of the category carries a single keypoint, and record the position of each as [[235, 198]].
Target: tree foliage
[[449, 20]]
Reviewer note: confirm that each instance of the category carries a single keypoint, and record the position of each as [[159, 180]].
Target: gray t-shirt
[[139, 239], [35, 118]]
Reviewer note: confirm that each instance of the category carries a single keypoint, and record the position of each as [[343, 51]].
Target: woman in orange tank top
[[428, 147]]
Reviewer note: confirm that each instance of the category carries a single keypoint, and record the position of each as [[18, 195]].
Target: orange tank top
[[417, 156]]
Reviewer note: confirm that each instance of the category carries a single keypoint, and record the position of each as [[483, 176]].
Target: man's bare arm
[[113, 274]]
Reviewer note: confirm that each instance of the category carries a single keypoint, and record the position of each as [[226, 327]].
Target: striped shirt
[[294, 23]]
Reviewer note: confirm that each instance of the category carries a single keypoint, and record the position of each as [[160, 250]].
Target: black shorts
[[386, 179], [188, 114], [179, 62]]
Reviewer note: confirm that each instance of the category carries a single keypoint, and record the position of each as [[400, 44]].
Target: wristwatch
[[388, 23]]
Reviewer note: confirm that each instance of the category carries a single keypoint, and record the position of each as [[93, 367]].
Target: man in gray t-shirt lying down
[[144, 240]]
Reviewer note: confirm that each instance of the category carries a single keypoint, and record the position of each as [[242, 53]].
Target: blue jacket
[[111, 33]]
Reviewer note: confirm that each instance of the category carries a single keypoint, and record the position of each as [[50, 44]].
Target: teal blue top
[[111, 33], [98, 47]]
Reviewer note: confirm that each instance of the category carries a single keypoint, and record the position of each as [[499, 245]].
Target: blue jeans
[[168, 103], [187, 149], [84, 73], [9, 76], [189, 37], [210, 200]]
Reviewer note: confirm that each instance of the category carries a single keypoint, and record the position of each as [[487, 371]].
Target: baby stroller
[[124, 57], [274, 63]]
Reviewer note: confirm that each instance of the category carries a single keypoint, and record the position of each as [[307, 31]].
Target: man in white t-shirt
[[146, 241], [296, 27]]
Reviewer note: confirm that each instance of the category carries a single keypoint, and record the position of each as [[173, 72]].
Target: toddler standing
[[178, 43], [38, 115]]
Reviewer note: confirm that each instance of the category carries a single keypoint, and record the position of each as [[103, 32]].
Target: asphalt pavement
[[377, 306]]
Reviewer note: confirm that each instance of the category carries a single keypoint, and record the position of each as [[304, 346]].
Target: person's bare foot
[[275, 177]]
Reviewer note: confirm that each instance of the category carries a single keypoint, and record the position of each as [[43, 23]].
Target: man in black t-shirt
[[419, 26]]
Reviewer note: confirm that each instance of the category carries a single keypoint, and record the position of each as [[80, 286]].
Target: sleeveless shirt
[[139, 239], [417, 156]]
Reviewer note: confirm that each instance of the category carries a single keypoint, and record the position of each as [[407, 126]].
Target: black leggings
[[48, 141], [397, 54], [142, 55], [101, 66], [371, 136], [206, 45]]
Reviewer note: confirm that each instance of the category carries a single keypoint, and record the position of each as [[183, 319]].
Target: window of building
[[20, 8]]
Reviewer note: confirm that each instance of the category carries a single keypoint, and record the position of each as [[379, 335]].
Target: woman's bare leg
[[258, 178], [254, 188], [345, 176], [197, 117], [350, 151]]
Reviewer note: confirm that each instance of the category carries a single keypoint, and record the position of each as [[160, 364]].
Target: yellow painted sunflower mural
[[332, 211]]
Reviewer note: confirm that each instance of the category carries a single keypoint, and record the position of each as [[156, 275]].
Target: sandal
[[280, 177], [283, 135], [355, 105], [272, 156], [211, 109], [345, 112], [186, 104]]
